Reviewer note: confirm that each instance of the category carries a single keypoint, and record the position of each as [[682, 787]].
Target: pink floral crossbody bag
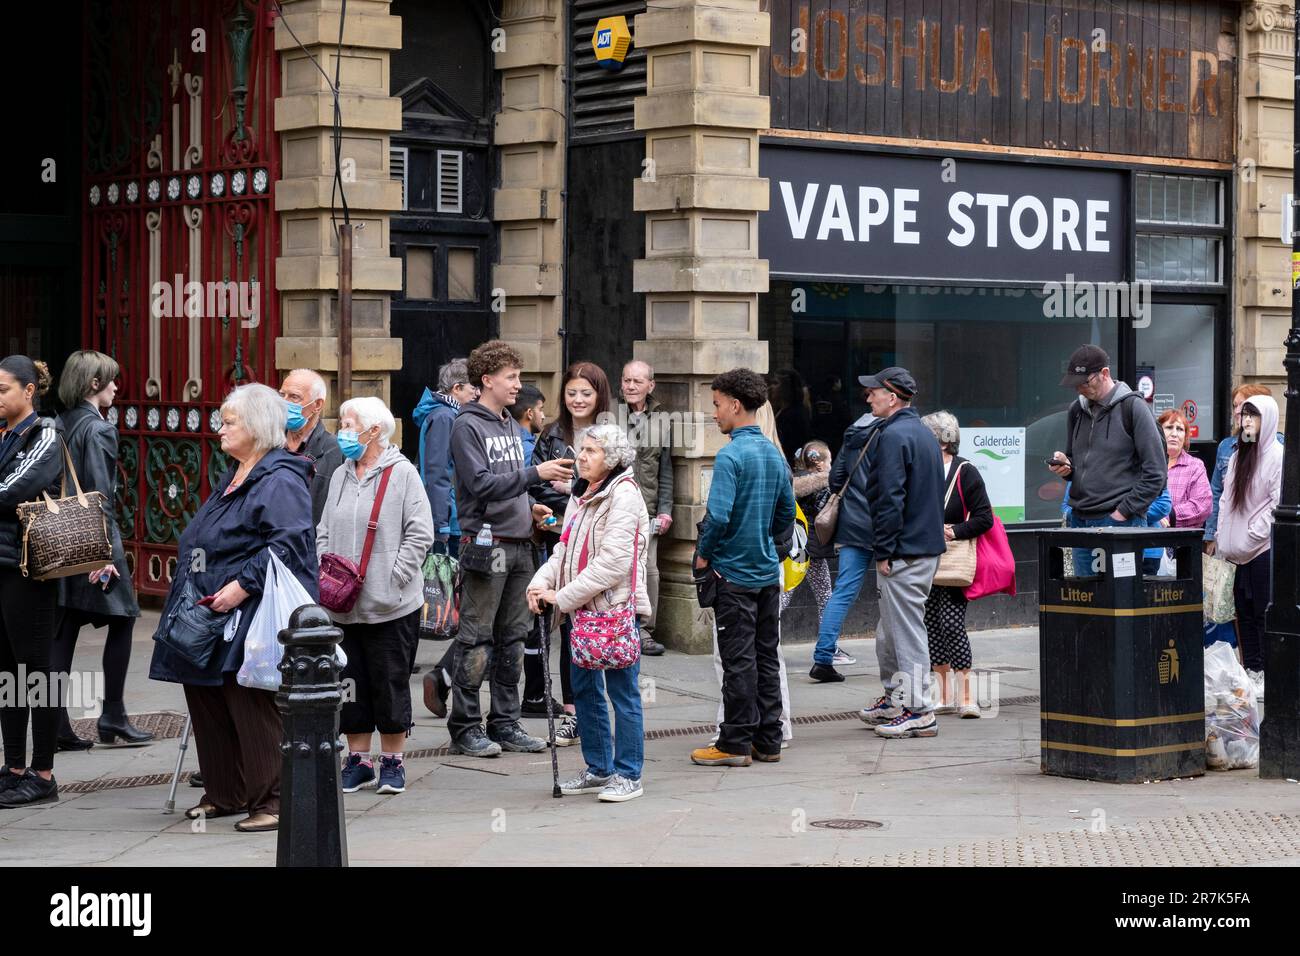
[[606, 640]]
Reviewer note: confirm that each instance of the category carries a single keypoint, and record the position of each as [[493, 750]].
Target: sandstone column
[[701, 195], [1264, 164], [528, 282], [307, 269]]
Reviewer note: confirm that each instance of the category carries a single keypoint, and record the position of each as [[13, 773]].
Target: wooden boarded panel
[[1134, 77]]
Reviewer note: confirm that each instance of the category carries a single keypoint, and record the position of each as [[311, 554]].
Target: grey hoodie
[[1112, 469], [394, 585], [492, 477]]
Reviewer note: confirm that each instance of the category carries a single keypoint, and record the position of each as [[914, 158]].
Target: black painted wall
[[604, 236]]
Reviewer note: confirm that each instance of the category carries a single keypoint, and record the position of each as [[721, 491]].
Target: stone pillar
[[701, 195], [529, 134], [1264, 164], [307, 270]]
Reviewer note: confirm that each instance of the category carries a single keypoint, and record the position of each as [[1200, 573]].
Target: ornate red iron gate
[[181, 160]]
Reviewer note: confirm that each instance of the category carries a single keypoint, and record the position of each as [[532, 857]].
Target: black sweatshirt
[[974, 517]]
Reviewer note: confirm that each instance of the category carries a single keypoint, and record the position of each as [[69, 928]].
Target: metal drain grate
[[122, 783], [165, 724], [1212, 838], [847, 824], [1014, 701]]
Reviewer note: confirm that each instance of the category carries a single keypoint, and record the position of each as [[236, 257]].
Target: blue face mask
[[348, 444], [296, 417]]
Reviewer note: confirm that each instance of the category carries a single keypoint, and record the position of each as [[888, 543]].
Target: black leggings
[[117, 648], [1252, 590], [28, 616]]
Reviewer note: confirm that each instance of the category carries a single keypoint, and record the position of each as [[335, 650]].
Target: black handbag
[[479, 558], [191, 630]]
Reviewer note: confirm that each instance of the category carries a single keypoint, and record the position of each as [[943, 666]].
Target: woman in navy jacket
[[31, 462], [262, 504]]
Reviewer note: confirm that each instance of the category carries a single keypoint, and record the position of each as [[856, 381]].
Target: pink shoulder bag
[[607, 640]]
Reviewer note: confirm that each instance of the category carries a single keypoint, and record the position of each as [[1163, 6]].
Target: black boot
[[68, 739], [113, 723]]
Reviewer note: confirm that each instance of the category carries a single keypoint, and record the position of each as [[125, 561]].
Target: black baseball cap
[[897, 380], [1084, 362]]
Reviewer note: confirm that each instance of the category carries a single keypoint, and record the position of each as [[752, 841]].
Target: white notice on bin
[[1123, 564]]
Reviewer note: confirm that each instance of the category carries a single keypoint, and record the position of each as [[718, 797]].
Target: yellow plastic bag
[[795, 567]]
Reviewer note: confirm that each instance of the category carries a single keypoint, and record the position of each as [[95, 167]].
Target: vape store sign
[[866, 215]]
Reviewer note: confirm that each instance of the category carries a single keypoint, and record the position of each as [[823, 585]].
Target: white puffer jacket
[[606, 521]]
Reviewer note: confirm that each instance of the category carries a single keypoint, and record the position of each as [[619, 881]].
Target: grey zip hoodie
[[1112, 469], [492, 477], [394, 585]]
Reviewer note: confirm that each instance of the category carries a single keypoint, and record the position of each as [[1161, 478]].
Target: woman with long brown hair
[[585, 395], [1252, 488]]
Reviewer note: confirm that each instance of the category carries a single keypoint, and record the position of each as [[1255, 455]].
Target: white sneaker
[[969, 710], [880, 711], [842, 658], [585, 782], [908, 724], [945, 709], [619, 790]]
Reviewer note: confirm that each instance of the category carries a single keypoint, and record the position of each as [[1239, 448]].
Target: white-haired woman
[[382, 630], [606, 528], [263, 504], [967, 514]]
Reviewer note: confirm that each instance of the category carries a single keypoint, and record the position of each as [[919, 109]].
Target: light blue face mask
[[348, 444], [296, 417]]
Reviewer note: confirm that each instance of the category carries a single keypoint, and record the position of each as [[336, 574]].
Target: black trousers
[[749, 632], [1252, 590], [117, 652], [28, 618], [380, 658]]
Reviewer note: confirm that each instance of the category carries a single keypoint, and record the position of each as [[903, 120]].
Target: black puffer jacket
[[31, 463]]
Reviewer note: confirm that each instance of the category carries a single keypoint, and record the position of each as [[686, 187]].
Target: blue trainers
[[356, 774], [392, 775]]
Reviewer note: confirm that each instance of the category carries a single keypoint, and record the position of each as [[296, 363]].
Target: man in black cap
[[1114, 453], [905, 495]]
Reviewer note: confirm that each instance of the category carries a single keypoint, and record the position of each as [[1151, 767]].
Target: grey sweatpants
[[902, 648]]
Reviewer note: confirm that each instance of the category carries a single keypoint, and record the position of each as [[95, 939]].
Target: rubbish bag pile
[[1231, 717]]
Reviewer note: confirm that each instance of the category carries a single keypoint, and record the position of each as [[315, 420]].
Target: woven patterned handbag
[[607, 640], [65, 537]]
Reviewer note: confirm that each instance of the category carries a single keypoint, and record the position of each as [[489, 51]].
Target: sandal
[[259, 823], [208, 811]]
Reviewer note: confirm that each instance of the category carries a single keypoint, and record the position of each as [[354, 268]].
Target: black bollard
[[310, 698]]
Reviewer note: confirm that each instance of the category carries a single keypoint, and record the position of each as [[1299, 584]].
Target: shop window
[[993, 357], [1178, 200], [1187, 247], [1176, 353]]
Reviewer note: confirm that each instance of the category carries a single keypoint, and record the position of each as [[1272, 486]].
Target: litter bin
[[1120, 657]]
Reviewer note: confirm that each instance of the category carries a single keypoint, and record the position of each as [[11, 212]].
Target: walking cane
[[550, 703], [170, 805]]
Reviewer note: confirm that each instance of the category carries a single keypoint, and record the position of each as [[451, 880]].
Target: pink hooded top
[[1246, 532]]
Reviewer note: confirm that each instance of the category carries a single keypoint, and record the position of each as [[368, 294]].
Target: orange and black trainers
[[713, 757]]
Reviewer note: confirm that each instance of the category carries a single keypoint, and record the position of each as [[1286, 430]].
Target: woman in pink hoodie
[[1252, 488]]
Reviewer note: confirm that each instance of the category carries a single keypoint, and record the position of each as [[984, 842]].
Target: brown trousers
[[237, 731]]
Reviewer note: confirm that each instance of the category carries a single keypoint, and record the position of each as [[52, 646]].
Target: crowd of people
[[556, 527]]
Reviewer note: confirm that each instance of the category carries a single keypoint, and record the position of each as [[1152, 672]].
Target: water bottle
[[484, 536]]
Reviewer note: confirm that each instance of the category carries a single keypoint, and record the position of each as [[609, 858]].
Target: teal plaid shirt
[[750, 496]]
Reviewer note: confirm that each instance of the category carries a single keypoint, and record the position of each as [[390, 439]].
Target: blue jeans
[[1083, 556], [854, 563], [623, 751]]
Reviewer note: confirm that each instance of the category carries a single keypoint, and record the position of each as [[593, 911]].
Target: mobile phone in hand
[[1055, 461], [207, 601]]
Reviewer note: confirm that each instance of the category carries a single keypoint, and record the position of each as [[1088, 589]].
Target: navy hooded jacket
[[434, 415], [905, 489], [853, 527], [227, 540]]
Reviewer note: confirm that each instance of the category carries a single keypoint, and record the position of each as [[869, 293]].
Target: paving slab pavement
[[974, 793]]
